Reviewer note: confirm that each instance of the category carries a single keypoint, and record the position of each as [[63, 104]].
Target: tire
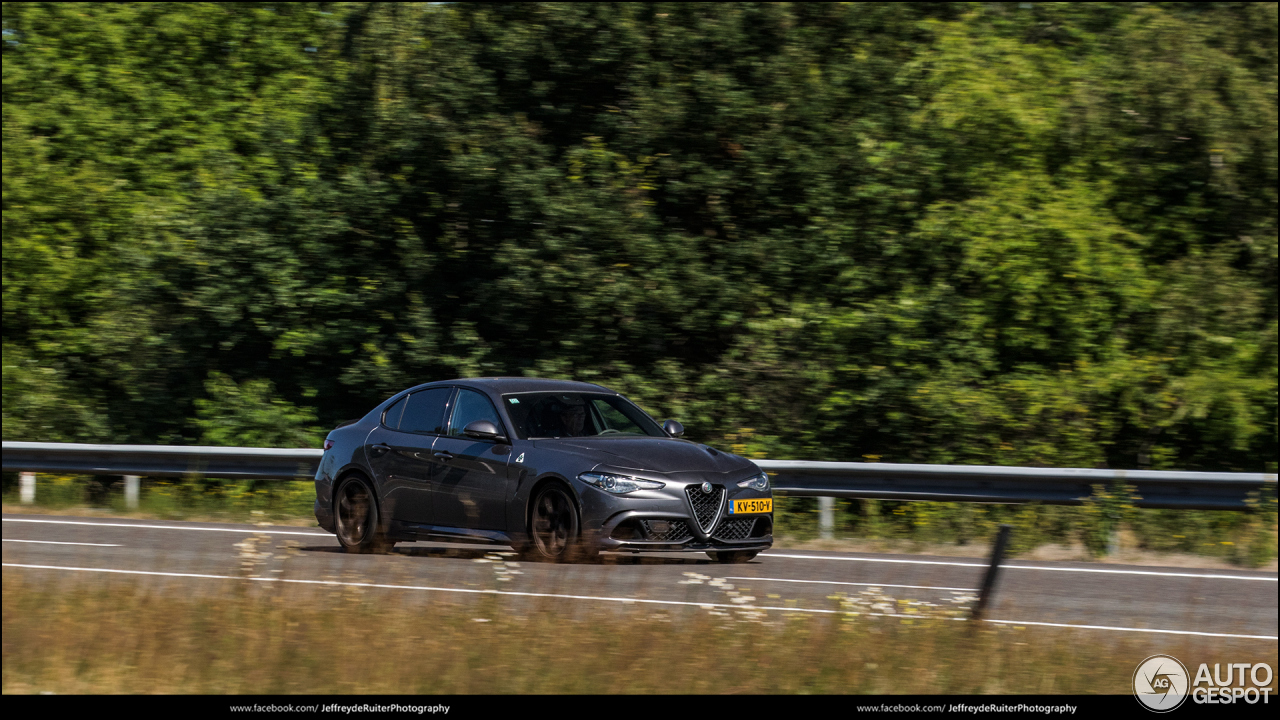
[[554, 530], [355, 518], [733, 558]]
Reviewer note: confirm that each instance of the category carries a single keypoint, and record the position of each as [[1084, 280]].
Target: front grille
[[665, 530], [734, 529], [706, 506]]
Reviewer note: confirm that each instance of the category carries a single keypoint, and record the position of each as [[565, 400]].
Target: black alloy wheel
[[553, 527], [357, 518], [733, 558]]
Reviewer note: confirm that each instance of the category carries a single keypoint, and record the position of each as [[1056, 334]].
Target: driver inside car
[[573, 415]]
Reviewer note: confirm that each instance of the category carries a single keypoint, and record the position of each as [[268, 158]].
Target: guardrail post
[[993, 569], [131, 492], [28, 491], [826, 517]]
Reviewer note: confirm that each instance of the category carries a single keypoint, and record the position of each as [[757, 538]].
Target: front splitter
[[686, 547]]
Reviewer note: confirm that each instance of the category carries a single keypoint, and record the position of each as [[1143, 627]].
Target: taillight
[[328, 443]]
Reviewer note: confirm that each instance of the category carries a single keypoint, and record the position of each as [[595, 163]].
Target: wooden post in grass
[[993, 569]]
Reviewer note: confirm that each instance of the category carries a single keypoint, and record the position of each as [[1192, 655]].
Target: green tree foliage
[[999, 233], [251, 415]]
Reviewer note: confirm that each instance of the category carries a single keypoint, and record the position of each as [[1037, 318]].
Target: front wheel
[[733, 558], [356, 518], [554, 530]]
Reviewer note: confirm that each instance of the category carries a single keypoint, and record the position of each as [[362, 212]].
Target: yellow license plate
[[746, 507]]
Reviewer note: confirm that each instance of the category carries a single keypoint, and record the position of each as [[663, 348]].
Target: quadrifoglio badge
[[1162, 683]]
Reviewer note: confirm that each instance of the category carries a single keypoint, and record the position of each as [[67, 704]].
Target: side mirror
[[483, 430], [673, 428]]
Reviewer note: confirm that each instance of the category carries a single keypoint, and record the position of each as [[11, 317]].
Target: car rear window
[[425, 411], [391, 418]]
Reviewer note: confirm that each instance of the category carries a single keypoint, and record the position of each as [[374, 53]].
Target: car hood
[[654, 454]]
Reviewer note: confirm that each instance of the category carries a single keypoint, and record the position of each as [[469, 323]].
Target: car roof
[[503, 385]]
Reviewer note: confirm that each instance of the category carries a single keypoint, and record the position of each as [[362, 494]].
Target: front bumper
[[647, 531], [685, 515]]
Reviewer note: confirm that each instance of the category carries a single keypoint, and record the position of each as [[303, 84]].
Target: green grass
[[120, 637], [177, 499], [1245, 538]]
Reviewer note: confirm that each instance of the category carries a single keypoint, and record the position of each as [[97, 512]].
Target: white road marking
[[57, 542], [472, 591], [1137, 630], [1107, 571], [475, 591], [241, 530], [836, 582]]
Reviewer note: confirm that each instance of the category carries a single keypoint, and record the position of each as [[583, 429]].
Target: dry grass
[[118, 637]]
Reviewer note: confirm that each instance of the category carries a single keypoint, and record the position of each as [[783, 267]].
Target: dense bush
[[1002, 233]]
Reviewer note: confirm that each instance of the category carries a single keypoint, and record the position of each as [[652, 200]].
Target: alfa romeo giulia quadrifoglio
[[559, 470]]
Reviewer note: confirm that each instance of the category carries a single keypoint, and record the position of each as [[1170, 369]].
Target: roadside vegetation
[[174, 498], [121, 637], [973, 233]]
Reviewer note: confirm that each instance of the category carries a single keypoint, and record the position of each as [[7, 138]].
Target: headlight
[[759, 482], [619, 484]]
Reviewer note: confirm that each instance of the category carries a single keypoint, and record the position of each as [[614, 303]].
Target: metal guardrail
[[162, 460], [994, 484], [883, 481]]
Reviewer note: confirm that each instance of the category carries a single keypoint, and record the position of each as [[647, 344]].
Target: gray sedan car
[[559, 470]]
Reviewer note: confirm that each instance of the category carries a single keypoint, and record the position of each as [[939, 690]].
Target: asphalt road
[[206, 557]]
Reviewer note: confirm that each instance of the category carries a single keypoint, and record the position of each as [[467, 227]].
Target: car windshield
[[553, 415]]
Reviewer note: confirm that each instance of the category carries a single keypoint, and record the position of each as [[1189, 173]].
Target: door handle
[[444, 455], [381, 448]]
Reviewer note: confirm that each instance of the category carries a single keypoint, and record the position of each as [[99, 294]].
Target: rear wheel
[[733, 558], [356, 518], [554, 531]]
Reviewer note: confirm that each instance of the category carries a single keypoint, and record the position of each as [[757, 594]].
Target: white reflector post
[[826, 517], [28, 488], [131, 492]]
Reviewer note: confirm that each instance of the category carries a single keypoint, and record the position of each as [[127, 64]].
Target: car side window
[[469, 407], [391, 418], [426, 411]]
